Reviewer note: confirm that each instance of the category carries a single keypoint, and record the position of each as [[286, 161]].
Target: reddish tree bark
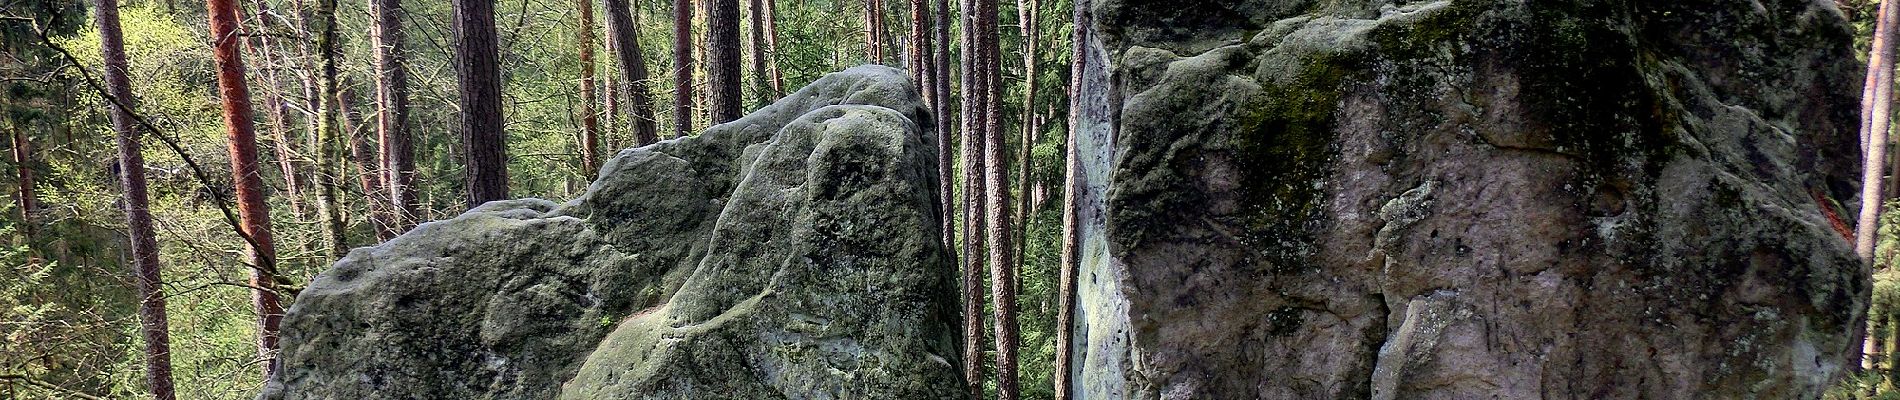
[[253, 212], [918, 59], [28, 198], [590, 122], [153, 323]]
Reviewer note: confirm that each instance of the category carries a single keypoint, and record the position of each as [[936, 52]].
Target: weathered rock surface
[[1465, 199], [792, 254]]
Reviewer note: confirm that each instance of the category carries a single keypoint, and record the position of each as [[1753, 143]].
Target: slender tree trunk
[[870, 32], [479, 78], [369, 174], [888, 44], [253, 212], [1071, 194], [682, 67], [612, 96], [276, 109], [873, 35], [1874, 124], [308, 156], [924, 71], [1878, 106], [776, 80], [973, 209], [328, 173], [722, 69], [755, 48], [1002, 268], [29, 199], [633, 70], [940, 106], [395, 143], [702, 82], [1892, 179], [138, 217], [919, 56], [590, 120], [1029, 20]]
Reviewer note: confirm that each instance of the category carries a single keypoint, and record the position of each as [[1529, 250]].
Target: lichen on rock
[[793, 253], [1466, 199]]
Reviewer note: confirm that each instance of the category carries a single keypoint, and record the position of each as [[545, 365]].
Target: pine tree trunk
[[369, 175], [873, 45], [1002, 269], [29, 200], [722, 62], [633, 70], [477, 74], [590, 120], [328, 172], [924, 71], [682, 67], [1029, 22], [755, 48], [940, 107], [253, 212], [153, 323], [276, 109], [608, 84], [1071, 257], [702, 94], [775, 79], [918, 58], [973, 204], [888, 44], [396, 143], [1875, 120], [1875, 123]]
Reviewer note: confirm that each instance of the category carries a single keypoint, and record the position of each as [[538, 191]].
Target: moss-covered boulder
[[1463, 199], [790, 254]]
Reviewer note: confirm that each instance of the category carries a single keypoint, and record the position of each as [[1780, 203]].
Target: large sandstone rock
[[1466, 199], [790, 254]]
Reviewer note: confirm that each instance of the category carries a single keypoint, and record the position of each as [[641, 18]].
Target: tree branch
[[230, 217], [29, 381]]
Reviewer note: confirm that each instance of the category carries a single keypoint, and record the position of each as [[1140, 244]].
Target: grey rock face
[[1464, 199], [790, 254]]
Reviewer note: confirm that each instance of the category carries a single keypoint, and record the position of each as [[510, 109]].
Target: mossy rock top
[[790, 254], [1466, 199]]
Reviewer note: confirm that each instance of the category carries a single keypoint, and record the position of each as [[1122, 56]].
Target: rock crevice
[[1466, 198]]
